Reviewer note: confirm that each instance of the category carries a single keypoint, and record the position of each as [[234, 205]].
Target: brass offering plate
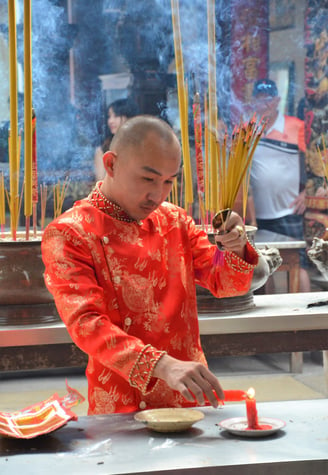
[[169, 419]]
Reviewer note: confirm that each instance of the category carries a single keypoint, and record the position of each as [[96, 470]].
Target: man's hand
[[232, 236], [298, 204], [193, 380]]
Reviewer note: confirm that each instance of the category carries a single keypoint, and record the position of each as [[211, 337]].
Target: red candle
[[232, 395], [251, 410]]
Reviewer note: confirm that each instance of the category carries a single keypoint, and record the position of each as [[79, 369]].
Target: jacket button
[[117, 279], [127, 321], [142, 405], [106, 240]]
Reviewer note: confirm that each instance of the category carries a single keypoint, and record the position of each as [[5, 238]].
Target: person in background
[[122, 265], [118, 112], [278, 195]]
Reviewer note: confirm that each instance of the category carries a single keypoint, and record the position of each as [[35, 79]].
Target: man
[[122, 265], [276, 171]]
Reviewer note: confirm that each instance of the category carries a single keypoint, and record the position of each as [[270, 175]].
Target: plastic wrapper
[[41, 418]]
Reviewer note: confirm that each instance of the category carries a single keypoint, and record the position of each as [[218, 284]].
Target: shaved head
[[143, 161], [134, 132]]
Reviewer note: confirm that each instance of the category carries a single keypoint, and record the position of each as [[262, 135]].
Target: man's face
[[142, 177], [265, 105]]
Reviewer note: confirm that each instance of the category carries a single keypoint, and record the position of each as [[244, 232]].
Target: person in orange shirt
[[122, 265], [276, 171]]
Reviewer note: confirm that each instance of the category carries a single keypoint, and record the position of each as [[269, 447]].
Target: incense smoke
[[110, 37]]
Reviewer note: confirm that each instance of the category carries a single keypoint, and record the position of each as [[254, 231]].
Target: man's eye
[[146, 178]]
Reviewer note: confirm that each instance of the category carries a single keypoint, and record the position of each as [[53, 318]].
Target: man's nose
[[156, 193]]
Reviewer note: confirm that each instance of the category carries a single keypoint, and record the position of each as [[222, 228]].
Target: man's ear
[[109, 159]]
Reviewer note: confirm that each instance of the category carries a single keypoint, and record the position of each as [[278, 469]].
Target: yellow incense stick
[[59, 191], [183, 102], [2, 200], [27, 109], [212, 101], [13, 137], [207, 170], [44, 197]]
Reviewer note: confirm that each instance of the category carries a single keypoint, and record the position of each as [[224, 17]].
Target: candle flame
[[250, 393]]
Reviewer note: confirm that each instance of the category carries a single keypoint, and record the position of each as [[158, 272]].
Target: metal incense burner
[[24, 298], [318, 254], [269, 261]]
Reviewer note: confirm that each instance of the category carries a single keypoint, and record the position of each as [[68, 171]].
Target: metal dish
[[239, 426]]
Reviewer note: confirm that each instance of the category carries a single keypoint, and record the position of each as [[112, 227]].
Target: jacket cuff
[[142, 371], [243, 265]]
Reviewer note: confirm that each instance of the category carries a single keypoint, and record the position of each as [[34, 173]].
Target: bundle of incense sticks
[[14, 198], [2, 204], [234, 162], [225, 167], [14, 195], [59, 196]]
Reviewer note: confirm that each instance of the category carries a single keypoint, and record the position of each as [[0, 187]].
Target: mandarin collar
[[97, 199]]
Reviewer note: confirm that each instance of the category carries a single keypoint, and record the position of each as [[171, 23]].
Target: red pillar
[[249, 49]]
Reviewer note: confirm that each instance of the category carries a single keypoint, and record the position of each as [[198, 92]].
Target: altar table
[[278, 323], [117, 444]]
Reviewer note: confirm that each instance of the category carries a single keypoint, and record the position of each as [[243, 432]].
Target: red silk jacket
[[126, 293]]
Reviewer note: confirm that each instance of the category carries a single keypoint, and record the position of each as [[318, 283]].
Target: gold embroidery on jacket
[[105, 401], [141, 373], [105, 376]]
